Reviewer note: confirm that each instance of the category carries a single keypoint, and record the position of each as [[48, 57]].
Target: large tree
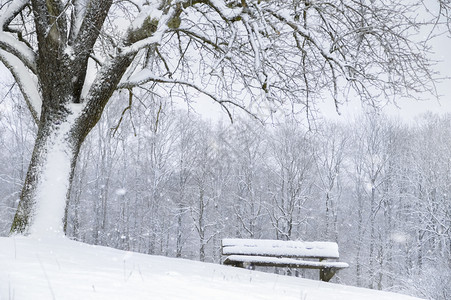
[[69, 56]]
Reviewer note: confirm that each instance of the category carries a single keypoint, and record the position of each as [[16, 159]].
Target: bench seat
[[283, 262], [299, 249]]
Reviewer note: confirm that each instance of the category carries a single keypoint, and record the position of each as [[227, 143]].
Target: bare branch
[[146, 76]]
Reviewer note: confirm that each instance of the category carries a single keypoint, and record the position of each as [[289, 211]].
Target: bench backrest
[[294, 249]]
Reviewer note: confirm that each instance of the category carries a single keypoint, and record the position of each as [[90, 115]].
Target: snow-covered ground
[[59, 268]]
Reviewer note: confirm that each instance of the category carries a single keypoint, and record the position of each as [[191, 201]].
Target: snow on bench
[[280, 248], [289, 254]]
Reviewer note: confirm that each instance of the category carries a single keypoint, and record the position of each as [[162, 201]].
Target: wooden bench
[[286, 254]]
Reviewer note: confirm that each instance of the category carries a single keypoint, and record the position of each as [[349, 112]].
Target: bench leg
[[326, 274], [238, 264]]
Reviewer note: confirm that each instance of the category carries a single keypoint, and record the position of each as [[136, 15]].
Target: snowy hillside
[[63, 269]]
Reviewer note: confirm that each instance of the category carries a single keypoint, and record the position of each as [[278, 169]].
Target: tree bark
[[43, 201]]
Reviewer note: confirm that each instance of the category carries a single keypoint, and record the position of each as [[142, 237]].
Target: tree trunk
[[43, 202], [179, 244], [371, 266]]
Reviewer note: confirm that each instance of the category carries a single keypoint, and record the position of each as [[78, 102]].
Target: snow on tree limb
[[10, 12], [18, 49], [225, 12], [161, 24], [26, 81], [149, 11], [141, 34], [307, 35]]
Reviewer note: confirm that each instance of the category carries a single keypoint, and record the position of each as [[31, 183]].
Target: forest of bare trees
[[170, 183]]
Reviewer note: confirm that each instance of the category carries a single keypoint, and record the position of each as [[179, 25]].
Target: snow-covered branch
[[10, 12], [7, 41], [26, 81], [227, 13], [308, 36], [156, 21], [18, 49]]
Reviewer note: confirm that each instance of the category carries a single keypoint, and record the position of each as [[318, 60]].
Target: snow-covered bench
[[287, 254]]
